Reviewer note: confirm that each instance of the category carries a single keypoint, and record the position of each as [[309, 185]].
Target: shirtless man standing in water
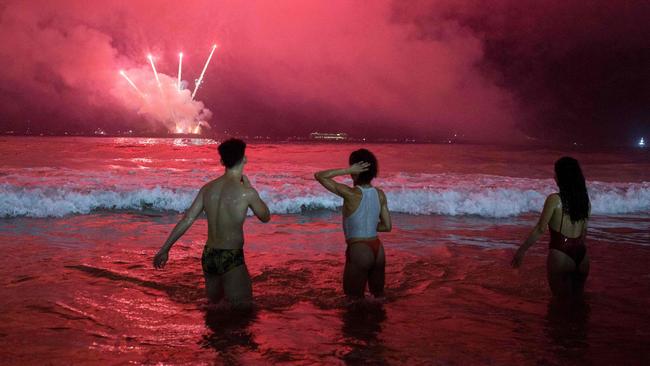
[[225, 201]]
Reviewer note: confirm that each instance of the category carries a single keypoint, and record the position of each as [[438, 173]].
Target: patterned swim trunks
[[220, 261]]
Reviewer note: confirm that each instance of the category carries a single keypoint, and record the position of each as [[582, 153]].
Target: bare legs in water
[[361, 268]]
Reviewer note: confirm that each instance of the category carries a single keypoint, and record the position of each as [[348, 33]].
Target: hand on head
[[359, 167]]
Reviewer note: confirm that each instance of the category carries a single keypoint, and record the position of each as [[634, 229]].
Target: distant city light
[[641, 142], [339, 136]]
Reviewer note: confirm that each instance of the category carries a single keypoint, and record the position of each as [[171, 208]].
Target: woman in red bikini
[[365, 212], [566, 214]]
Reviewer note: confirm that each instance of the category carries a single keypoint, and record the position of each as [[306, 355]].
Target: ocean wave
[[486, 196], [58, 202]]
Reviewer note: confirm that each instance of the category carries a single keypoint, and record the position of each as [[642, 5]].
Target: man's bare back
[[225, 201]]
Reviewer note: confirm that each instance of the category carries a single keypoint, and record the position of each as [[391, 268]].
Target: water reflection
[[567, 326], [362, 325], [229, 334]]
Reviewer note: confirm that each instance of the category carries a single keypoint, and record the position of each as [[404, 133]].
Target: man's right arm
[[181, 227]]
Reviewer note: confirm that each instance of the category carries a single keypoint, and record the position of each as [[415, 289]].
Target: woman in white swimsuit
[[365, 212]]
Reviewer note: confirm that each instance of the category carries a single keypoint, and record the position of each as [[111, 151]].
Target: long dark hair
[[573, 190]]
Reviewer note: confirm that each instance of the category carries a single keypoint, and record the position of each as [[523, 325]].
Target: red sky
[[489, 69]]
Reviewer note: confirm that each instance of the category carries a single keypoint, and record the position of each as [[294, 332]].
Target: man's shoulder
[[208, 187], [249, 192], [212, 183]]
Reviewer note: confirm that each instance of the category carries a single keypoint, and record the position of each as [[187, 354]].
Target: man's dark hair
[[231, 152], [365, 155]]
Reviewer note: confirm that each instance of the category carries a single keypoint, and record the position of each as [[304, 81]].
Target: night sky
[[501, 70]]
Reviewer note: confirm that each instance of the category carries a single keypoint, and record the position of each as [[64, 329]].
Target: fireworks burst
[[183, 114]]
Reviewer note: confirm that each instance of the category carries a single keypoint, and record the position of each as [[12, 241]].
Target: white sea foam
[[57, 202], [419, 194]]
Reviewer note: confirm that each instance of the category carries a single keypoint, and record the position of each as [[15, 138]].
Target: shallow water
[[79, 288]]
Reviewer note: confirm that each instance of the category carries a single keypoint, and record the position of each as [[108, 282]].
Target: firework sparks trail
[[198, 83], [131, 82], [155, 73], [169, 107], [180, 66]]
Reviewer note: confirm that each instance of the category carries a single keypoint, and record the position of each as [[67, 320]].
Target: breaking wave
[[421, 194]]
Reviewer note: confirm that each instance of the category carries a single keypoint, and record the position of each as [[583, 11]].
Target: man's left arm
[[259, 207]]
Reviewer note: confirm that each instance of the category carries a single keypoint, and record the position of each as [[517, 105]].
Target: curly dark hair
[[365, 155], [573, 190]]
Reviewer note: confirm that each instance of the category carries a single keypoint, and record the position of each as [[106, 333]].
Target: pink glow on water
[[78, 278], [85, 288]]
